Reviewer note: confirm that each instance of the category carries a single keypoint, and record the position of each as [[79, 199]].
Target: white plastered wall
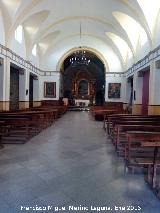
[[2, 33], [36, 89], [154, 83], [34, 60], [127, 92], [51, 58], [54, 78], [115, 79], [1, 78], [23, 86], [19, 48], [137, 89]]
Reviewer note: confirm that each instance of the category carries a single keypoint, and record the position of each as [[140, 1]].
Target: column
[[154, 89], [23, 89], [137, 94], [5, 94], [36, 92]]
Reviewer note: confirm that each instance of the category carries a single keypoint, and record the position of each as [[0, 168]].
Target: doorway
[[130, 94], [145, 92], [31, 91], [14, 88]]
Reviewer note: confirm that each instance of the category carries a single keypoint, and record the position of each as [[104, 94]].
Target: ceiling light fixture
[[79, 57]]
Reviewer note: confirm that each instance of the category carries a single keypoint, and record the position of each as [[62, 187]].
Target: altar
[[82, 102]]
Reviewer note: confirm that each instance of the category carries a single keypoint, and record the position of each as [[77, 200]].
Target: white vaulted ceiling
[[116, 29]]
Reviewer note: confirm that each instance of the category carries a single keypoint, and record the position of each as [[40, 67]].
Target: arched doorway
[[81, 80]]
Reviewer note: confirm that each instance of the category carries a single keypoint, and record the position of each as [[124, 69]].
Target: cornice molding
[[140, 65]]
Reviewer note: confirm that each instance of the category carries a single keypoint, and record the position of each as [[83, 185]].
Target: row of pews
[[99, 112], [17, 127], [137, 139]]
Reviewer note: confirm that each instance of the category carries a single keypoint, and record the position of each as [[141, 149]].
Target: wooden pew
[[2, 132], [108, 118], [19, 129], [99, 112], [135, 120], [111, 119], [138, 139], [132, 147], [152, 164], [120, 139], [21, 125]]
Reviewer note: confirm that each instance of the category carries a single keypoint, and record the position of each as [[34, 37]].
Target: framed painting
[[50, 89], [114, 90]]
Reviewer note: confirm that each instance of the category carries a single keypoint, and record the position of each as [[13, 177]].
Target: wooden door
[[14, 88], [31, 91], [145, 92]]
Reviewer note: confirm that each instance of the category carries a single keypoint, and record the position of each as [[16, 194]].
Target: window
[[34, 50], [18, 34]]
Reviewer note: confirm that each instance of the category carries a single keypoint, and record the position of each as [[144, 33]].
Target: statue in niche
[[83, 88]]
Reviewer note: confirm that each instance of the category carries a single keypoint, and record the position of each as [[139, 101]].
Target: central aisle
[[70, 163]]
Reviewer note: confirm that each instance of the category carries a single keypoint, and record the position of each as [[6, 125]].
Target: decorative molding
[[8, 53], [21, 72], [1, 61], [115, 74], [144, 63], [141, 64], [35, 77], [157, 64]]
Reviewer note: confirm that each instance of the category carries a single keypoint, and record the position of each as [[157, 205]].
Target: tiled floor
[[70, 163]]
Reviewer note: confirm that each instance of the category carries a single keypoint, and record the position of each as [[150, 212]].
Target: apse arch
[[89, 49], [83, 77]]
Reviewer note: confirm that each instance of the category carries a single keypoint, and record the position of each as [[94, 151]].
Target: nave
[[70, 163]]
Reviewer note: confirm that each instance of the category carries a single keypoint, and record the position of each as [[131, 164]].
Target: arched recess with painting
[[83, 78]]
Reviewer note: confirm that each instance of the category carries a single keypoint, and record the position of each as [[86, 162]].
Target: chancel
[[79, 105]]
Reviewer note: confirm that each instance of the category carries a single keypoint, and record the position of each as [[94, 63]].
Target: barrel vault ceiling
[[111, 27]]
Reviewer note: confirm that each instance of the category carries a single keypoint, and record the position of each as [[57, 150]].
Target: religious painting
[[114, 90], [83, 87], [50, 89]]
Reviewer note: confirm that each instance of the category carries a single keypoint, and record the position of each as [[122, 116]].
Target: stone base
[[23, 104], [36, 103], [4, 105], [154, 110], [137, 109]]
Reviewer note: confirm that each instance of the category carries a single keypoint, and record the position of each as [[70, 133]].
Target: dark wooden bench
[[100, 114], [19, 129], [24, 124], [21, 125], [120, 138], [133, 146], [133, 121], [152, 163], [2, 132], [112, 120]]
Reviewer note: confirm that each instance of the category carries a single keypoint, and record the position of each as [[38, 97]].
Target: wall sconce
[[1, 61], [134, 95], [26, 91]]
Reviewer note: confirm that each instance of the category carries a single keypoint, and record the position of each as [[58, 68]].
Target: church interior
[[79, 106]]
